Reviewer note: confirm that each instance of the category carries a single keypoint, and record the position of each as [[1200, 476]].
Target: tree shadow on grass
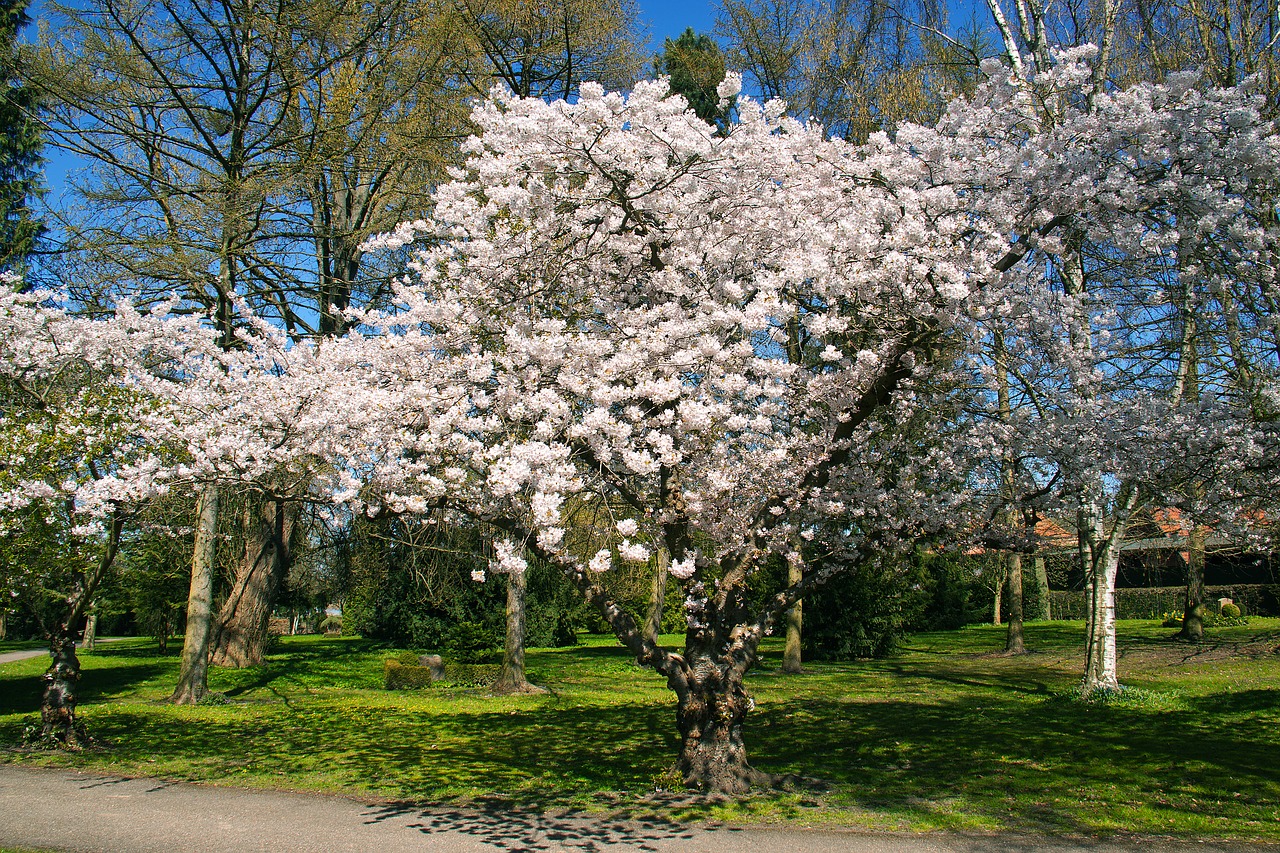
[[1030, 764], [21, 694]]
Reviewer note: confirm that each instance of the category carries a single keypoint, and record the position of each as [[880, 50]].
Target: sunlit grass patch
[[946, 735]]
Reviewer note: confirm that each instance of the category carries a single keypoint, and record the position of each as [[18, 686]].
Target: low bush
[[398, 676], [1229, 611], [471, 674]]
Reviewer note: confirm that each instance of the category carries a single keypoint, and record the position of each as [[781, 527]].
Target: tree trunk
[[4, 624], [995, 613], [193, 676], [90, 630], [1194, 607], [1100, 662], [657, 595], [710, 710], [58, 705], [240, 632], [1101, 555], [1042, 584], [512, 679], [791, 661], [1014, 643]]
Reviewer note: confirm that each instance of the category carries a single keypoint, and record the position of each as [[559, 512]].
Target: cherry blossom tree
[[600, 314]]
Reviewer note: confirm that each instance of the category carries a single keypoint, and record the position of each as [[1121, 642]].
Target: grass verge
[[946, 735]]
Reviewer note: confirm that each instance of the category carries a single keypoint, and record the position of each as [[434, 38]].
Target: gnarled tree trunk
[[58, 706], [90, 630], [711, 707], [240, 631], [193, 677]]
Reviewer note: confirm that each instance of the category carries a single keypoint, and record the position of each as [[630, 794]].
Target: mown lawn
[[946, 735]]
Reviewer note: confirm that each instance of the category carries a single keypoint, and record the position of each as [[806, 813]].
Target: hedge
[[1154, 602], [401, 676]]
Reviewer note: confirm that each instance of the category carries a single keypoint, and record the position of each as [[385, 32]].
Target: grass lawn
[[946, 735]]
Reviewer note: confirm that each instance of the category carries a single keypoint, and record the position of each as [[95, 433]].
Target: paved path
[[10, 657], [71, 811]]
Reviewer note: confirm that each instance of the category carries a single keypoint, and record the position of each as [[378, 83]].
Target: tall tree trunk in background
[[998, 602], [1014, 642], [90, 630], [58, 705], [791, 661], [193, 677], [240, 631], [4, 624], [657, 595], [1042, 588], [512, 678], [1194, 606]]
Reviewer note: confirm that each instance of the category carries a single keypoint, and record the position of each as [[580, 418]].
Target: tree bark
[[1015, 643], [711, 706], [791, 658], [58, 704], [1101, 553], [995, 613], [193, 676], [657, 595], [512, 678], [1042, 588], [90, 630], [1194, 606], [240, 631]]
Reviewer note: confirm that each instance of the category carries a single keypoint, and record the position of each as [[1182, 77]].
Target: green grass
[[946, 735]]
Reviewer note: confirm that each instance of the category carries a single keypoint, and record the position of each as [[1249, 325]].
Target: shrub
[[1230, 611], [1171, 620], [398, 676], [331, 625], [471, 674], [472, 642], [408, 658]]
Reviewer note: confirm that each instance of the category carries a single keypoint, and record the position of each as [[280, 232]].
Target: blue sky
[[669, 18]]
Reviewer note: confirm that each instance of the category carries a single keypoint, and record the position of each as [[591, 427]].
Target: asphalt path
[[66, 810], [10, 657]]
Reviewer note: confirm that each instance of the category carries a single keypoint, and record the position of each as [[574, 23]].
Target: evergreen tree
[[20, 143], [695, 65]]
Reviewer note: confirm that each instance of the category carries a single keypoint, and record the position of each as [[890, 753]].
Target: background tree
[[695, 66], [548, 49], [20, 144]]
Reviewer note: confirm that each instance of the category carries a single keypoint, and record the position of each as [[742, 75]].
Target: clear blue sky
[[669, 18]]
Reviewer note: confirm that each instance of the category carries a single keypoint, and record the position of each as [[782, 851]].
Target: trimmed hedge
[[471, 674], [397, 675], [1154, 602]]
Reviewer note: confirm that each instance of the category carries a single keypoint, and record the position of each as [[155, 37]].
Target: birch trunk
[[1101, 550], [193, 676]]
